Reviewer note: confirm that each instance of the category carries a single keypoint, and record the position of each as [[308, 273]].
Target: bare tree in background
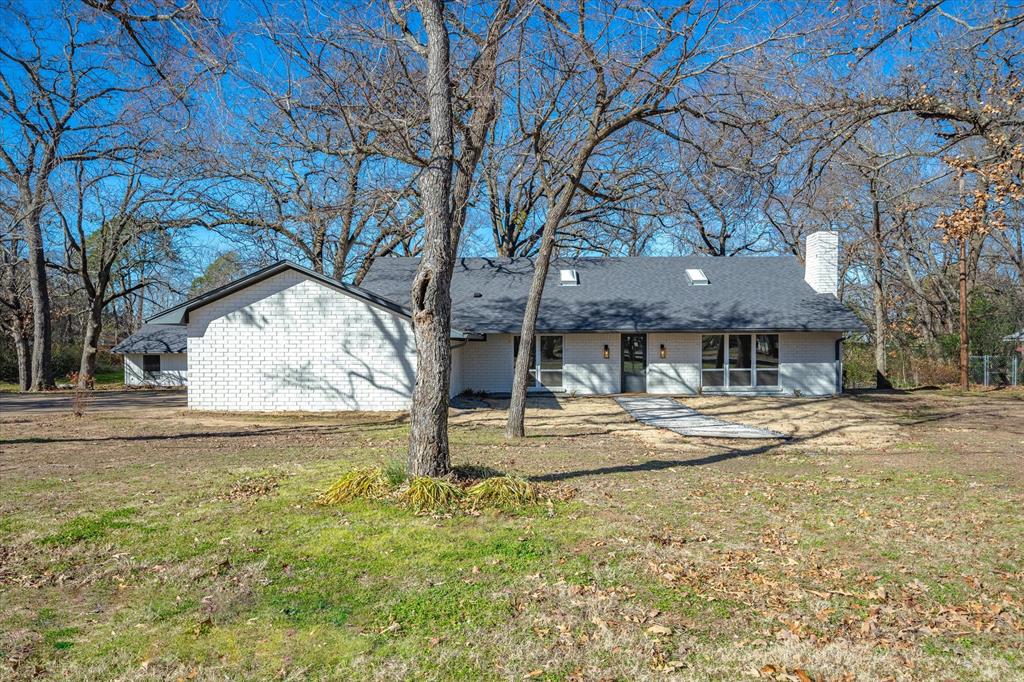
[[292, 166], [970, 93], [601, 86], [717, 189], [15, 312], [103, 213], [68, 93], [624, 198]]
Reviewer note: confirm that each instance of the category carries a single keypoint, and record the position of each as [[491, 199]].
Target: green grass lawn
[[113, 378], [192, 547]]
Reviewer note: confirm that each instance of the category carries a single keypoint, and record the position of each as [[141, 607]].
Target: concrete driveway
[[60, 401]]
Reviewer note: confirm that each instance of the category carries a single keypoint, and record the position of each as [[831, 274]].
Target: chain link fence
[[997, 370]]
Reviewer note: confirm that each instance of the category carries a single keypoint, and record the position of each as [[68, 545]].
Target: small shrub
[[431, 494], [502, 491], [368, 483], [927, 372], [396, 473]]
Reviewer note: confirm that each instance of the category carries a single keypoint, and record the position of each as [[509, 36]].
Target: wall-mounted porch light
[[606, 352], [662, 352]]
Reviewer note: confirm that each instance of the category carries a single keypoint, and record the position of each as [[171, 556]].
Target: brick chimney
[[821, 269]]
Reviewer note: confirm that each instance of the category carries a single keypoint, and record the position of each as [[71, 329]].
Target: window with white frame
[[739, 360], [548, 349]]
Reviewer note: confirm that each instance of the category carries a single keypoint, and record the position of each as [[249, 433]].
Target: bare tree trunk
[[878, 290], [431, 295], [90, 347], [21, 347], [42, 370], [515, 427], [964, 349]]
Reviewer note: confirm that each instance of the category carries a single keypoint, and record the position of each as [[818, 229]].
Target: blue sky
[[257, 54]]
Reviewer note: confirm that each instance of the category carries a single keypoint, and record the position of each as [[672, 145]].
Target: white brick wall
[[291, 343], [585, 369], [806, 361], [456, 383], [487, 365], [173, 370], [821, 270], [679, 372]]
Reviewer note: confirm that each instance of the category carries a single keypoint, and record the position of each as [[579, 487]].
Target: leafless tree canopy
[[144, 141]]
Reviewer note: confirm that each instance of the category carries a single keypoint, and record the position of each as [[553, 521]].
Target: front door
[[634, 363]]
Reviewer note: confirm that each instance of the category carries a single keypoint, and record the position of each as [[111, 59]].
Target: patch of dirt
[[61, 446], [831, 424], [987, 428]]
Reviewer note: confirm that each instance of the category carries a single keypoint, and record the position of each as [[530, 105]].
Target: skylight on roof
[[569, 278], [697, 277]]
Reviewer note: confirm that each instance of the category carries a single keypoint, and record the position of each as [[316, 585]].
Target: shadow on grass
[[322, 430], [659, 464], [652, 465]]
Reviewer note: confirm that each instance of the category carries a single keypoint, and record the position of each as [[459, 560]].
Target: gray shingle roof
[[629, 294], [154, 339]]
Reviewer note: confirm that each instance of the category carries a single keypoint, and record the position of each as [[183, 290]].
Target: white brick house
[[286, 338]]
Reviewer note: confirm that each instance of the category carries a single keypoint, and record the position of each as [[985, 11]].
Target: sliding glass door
[[713, 360], [549, 371], [739, 360], [551, 361]]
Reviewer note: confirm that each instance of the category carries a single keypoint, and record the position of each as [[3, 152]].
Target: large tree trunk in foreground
[[431, 295], [42, 370]]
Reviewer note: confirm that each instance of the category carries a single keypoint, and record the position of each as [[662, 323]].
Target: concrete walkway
[[666, 413]]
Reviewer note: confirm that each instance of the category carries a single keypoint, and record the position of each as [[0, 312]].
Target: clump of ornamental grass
[[369, 483], [505, 492], [425, 493]]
